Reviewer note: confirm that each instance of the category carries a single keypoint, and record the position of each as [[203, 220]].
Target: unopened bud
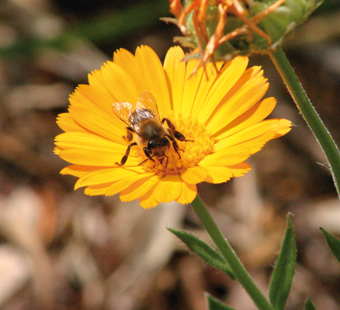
[[222, 29]]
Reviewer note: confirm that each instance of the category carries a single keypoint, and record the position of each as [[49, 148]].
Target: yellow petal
[[223, 84], [238, 101], [168, 189], [94, 158], [77, 171], [188, 194], [88, 141], [152, 78], [139, 188], [175, 73], [88, 94], [148, 200], [226, 157], [223, 174], [254, 115], [125, 183], [108, 175], [67, 123], [97, 81], [89, 115], [213, 72], [119, 83], [191, 86], [198, 85], [194, 175], [57, 150], [258, 143], [240, 169], [88, 149], [127, 61], [96, 189], [218, 174], [274, 126], [100, 124]]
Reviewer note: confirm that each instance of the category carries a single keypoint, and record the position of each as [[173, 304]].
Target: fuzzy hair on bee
[[151, 133]]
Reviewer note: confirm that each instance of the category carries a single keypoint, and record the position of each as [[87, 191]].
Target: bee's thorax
[[151, 130]]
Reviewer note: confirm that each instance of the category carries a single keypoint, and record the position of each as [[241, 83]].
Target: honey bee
[[142, 119]]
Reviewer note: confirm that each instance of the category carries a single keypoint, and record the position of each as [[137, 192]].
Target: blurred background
[[60, 249]]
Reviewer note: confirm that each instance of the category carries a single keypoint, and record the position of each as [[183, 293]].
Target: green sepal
[[282, 276], [309, 305], [204, 251], [215, 304], [285, 18], [277, 24], [333, 243]]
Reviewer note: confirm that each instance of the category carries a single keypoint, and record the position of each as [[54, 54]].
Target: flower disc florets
[[199, 144]]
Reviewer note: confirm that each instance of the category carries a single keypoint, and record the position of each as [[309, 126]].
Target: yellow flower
[[218, 112]]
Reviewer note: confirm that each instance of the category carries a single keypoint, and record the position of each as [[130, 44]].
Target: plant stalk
[[228, 253], [308, 112]]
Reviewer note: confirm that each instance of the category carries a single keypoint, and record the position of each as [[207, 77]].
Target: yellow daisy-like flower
[[218, 114]]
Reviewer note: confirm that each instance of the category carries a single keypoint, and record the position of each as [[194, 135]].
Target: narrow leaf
[[333, 243], [282, 277], [309, 305], [204, 251], [215, 304]]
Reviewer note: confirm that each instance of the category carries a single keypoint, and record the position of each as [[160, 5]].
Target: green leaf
[[204, 251], [333, 243], [282, 277], [309, 305], [215, 304]]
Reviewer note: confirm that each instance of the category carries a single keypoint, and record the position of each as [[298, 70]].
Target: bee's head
[[158, 143]]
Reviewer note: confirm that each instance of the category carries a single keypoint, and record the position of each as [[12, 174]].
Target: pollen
[[199, 143]]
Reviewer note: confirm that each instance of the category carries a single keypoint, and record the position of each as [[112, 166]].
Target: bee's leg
[[180, 137], [125, 157], [129, 134], [170, 125], [175, 145], [147, 154], [176, 133], [167, 160]]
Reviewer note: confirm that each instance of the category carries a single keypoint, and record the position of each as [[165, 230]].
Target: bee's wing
[[123, 111], [146, 101]]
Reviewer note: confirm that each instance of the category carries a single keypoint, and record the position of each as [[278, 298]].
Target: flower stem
[[307, 110], [228, 253]]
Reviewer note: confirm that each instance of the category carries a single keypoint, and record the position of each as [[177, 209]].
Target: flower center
[[190, 153]]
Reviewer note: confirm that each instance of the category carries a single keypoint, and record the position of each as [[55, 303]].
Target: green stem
[[307, 110], [228, 253]]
